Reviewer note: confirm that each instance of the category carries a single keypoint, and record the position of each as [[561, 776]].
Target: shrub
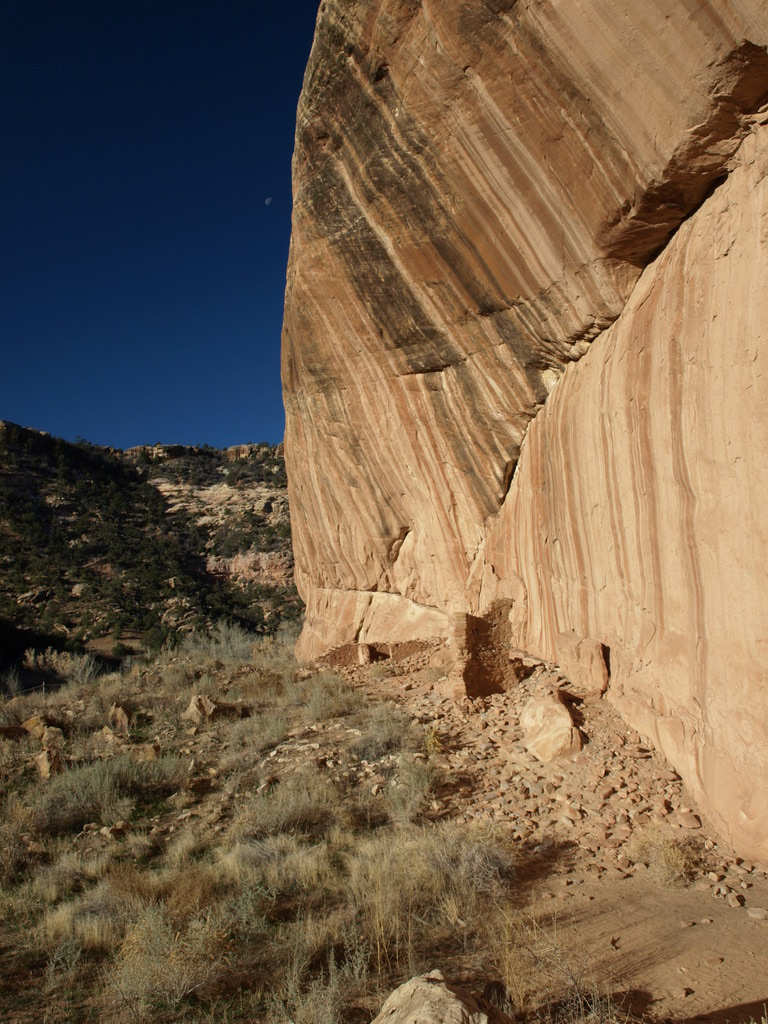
[[386, 730], [103, 791], [160, 966], [671, 860], [304, 804], [413, 785], [226, 640], [327, 695]]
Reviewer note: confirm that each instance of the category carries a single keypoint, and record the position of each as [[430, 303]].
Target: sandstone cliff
[[524, 352]]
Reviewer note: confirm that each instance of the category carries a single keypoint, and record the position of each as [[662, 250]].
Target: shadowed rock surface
[[524, 352]]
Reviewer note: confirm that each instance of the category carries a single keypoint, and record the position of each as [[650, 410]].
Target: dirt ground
[[693, 949]]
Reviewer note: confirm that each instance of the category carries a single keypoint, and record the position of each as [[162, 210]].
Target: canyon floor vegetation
[[219, 834]]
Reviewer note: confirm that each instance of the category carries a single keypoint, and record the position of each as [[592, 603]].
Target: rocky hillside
[[524, 355], [119, 551]]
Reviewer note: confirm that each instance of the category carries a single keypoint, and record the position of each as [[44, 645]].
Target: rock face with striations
[[524, 354]]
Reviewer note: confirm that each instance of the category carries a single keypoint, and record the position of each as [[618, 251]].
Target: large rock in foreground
[[428, 999], [516, 388]]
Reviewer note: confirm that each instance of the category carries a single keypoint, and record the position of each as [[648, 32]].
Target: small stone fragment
[[49, 762], [687, 819], [119, 720]]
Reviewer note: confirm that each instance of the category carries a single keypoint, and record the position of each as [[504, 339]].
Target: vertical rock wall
[[481, 189], [638, 517]]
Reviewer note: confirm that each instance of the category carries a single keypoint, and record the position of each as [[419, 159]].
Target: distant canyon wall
[[524, 351]]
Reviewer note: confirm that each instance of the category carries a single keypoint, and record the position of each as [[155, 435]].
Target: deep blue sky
[[142, 268]]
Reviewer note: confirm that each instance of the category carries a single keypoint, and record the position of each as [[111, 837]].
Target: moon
[[268, 201]]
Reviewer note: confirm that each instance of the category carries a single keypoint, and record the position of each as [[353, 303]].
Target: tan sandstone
[[548, 728], [524, 354], [429, 999]]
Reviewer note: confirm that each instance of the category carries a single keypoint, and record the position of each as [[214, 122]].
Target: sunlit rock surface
[[479, 189]]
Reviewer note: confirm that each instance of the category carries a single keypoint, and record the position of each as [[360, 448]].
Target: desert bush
[[15, 860], [321, 999], [407, 794], [326, 695], [62, 964], [303, 804], [103, 791], [672, 861], [386, 730], [160, 966], [242, 913], [225, 640], [75, 669]]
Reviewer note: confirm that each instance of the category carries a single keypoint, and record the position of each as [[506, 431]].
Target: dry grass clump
[[326, 695], [540, 982], [670, 859], [103, 791], [413, 785], [16, 858], [258, 733], [306, 804], [427, 889], [70, 873], [280, 866], [98, 918], [385, 729]]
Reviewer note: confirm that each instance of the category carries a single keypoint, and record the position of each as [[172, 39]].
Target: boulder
[[52, 738], [35, 726], [548, 729], [429, 999], [201, 708]]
